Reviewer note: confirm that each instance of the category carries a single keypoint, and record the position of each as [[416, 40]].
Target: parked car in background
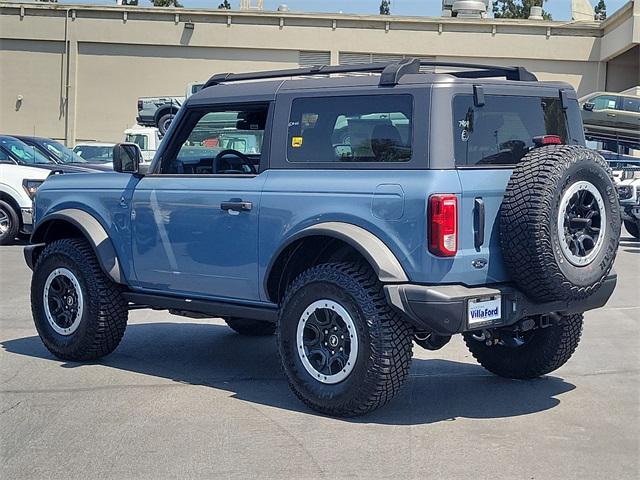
[[18, 185], [96, 152], [159, 111], [147, 138], [58, 153], [20, 177], [612, 116], [626, 172]]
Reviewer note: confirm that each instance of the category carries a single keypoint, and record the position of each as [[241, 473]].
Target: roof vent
[[283, 7], [470, 8]]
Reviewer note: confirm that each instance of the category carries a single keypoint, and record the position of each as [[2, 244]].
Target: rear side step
[[202, 308]]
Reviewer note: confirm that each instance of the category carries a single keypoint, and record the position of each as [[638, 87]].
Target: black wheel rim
[[63, 301], [327, 341], [581, 223]]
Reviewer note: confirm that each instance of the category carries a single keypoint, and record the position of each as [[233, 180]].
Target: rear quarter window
[[351, 129], [501, 132]]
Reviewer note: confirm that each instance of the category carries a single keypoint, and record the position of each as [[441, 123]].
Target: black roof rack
[[390, 72]]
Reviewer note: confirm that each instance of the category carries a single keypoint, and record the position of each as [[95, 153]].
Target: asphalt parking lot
[[182, 398]]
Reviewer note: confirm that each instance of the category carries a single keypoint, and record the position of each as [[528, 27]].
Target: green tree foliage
[[385, 7], [166, 3], [517, 8], [601, 11], [225, 5]]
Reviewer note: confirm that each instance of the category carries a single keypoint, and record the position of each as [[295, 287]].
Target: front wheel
[[9, 223], [164, 122], [79, 313], [530, 354], [344, 351]]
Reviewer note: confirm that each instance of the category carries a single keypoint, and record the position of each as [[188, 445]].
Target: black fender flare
[[93, 231], [383, 261], [164, 109]]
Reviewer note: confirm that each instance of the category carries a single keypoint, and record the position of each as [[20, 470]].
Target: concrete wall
[[88, 89]]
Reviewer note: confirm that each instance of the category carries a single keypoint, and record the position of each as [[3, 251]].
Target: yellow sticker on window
[[296, 142]]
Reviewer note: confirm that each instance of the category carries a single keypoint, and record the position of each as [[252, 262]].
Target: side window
[[501, 132], [225, 141], [350, 129], [605, 102], [630, 104], [4, 157]]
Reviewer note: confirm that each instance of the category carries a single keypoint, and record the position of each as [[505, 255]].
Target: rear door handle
[[479, 220], [236, 206]]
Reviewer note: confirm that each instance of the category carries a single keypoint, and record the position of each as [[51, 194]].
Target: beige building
[[74, 72]]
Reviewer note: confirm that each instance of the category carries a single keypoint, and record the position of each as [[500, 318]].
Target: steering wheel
[[244, 160]]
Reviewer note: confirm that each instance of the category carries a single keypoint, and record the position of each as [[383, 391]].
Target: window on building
[[350, 129], [501, 132]]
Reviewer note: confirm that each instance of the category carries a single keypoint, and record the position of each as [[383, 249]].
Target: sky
[[560, 9]]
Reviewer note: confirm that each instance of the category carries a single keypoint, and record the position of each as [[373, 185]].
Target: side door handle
[[611, 114], [479, 218], [236, 206]]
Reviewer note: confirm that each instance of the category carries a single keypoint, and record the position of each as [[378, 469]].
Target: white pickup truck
[[159, 111]]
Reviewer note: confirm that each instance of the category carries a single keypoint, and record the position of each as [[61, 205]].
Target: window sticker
[[296, 142]]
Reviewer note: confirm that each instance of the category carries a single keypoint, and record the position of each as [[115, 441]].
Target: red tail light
[[443, 225], [547, 140]]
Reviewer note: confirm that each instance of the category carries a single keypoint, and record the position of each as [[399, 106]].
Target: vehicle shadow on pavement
[[212, 355]]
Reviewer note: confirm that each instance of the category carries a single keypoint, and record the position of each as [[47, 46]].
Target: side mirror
[[127, 158], [588, 106]]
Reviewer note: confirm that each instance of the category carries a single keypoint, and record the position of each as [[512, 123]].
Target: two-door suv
[[352, 211]]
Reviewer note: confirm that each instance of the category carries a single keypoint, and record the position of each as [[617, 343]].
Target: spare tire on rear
[[560, 223]]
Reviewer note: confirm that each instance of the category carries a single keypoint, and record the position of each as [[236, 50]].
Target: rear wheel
[[344, 351], [9, 223], [252, 328], [632, 228], [530, 354], [79, 313]]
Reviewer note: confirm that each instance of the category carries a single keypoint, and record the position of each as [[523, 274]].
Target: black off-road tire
[[105, 312], [632, 228], [251, 328], [545, 350], [162, 122], [529, 233], [10, 234], [385, 340]]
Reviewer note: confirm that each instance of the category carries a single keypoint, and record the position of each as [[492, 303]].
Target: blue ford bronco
[[351, 211]]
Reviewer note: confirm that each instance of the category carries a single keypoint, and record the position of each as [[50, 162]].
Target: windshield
[[95, 153], [62, 153], [23, 153]]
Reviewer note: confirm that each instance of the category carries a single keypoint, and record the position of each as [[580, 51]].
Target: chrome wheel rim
[[327, 341], [166, 124], [582, 222], [5, 222], [63, 301]]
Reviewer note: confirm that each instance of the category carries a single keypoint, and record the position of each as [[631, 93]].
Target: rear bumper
[[443, 309]]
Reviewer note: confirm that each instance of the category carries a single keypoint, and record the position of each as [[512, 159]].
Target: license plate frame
[[484, 311]]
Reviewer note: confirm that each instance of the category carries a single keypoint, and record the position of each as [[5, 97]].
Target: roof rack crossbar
[[391, 73]]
